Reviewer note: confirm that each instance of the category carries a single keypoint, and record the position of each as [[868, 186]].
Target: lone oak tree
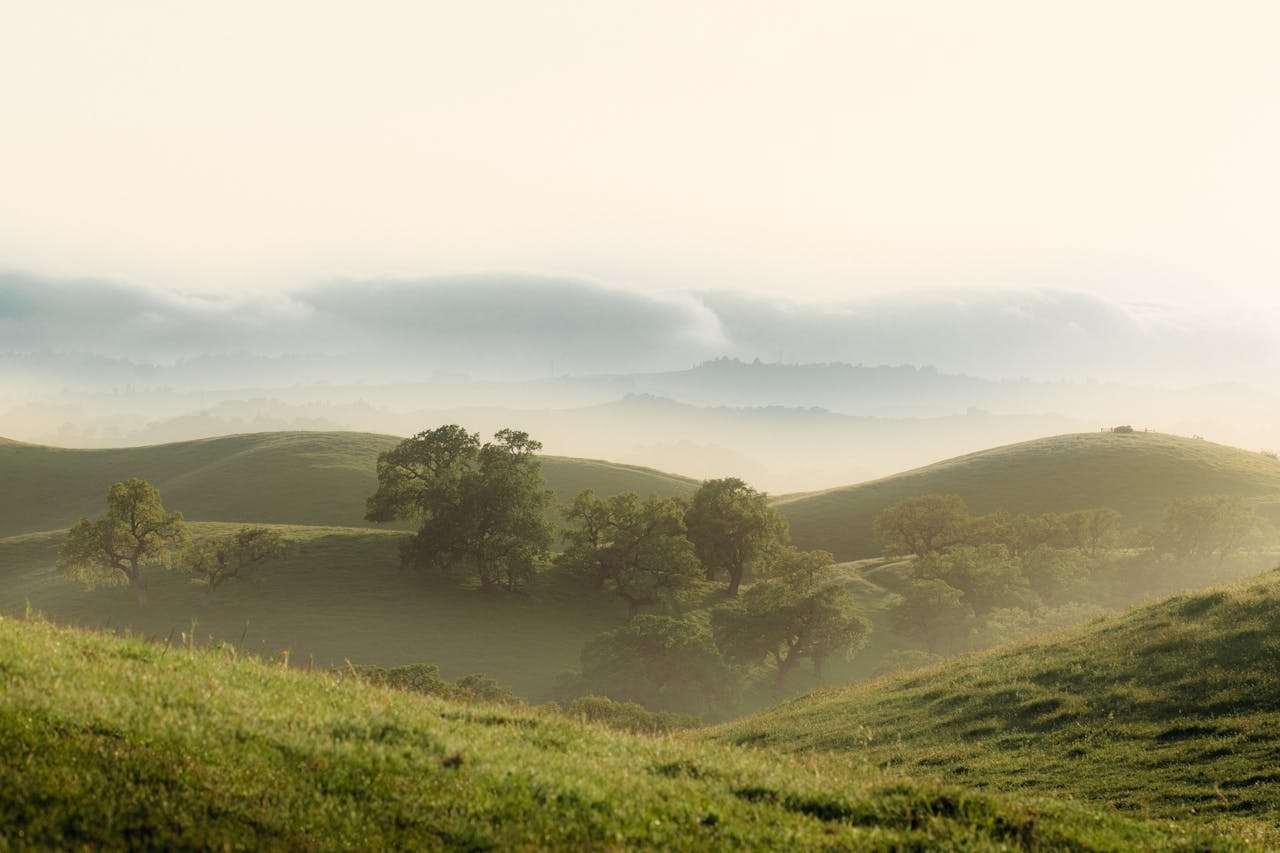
[[136, 532], [480, 506], [731, 525]]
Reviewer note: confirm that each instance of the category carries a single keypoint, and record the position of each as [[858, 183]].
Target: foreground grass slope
[[119, 743], [1171, 710], [319, 478], [1133, 473]]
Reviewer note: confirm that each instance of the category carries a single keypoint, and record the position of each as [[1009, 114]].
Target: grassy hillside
[[1172, 711], [319, 478], [109, 742], [1133, 473], [340, 595]]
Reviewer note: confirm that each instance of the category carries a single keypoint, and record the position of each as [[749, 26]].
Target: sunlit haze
[[395, 192], [1125, 149]]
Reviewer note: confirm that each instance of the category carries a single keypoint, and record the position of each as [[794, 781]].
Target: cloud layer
[[509, 326]]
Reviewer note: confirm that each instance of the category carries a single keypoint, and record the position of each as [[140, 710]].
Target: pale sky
[[1123, 149]]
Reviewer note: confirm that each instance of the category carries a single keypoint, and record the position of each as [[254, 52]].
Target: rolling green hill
[[340, 595], [1171, 710], [319, 478], [115, 743], [1133, 473]]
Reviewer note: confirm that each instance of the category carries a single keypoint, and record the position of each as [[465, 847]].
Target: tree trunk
[[735, 580], [784, 667], [141, 589]]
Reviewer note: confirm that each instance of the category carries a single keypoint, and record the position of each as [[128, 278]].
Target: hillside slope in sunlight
[[319, 478], [110, 742], [1170, 710], [1135, 474]]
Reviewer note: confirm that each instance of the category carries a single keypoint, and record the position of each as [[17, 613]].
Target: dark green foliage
[[480, 506], [1092, 530], [923, 525], [216, 560], [987, 575], [794, 615], [659, 662], [135, 533], [1211, 527], [934, 612], [732, 526], [636, 548]]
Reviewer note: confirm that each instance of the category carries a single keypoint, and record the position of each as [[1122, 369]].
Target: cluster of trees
[[981, 579], [689, 644], [137, 533], [482, 508]]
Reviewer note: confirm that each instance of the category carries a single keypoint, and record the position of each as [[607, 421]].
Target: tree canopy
[[798, 613], [923, 524], [658, 661], [638, 548], [481, 507], [135, 533], [731, 525]]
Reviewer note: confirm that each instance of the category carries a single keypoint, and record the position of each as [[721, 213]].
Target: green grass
[[1171, 711], [317, 478], [341, 595], [1135, 474], [117, 743]]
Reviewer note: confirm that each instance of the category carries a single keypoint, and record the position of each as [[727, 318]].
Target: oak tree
[[731, 526], [481, 507], [135, 533]]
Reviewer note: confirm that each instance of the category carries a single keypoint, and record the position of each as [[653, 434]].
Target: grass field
[[1135, 474], [340, 595], [111, 742], [1170, 711]]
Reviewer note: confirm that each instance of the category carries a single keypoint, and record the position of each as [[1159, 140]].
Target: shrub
[[629, 716]]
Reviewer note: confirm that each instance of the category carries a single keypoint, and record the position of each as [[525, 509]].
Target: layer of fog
[[789, 395]]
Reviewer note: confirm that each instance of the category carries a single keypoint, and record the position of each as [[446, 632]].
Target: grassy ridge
[[1172, 710], [319, 478], [1135, 474], [114, 742]]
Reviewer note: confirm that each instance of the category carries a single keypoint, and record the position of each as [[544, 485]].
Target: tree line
[[482, 509], [975, 580], [137, 533], [483, 512]]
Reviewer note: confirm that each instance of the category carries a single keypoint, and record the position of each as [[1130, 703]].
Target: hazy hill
[[1171, 710], [1133, 473], [317, 478], [109, 742]]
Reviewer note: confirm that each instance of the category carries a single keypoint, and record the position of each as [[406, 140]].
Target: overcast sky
[[826, 151]]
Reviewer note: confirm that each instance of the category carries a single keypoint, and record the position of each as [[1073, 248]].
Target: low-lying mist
[[790, 396]]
